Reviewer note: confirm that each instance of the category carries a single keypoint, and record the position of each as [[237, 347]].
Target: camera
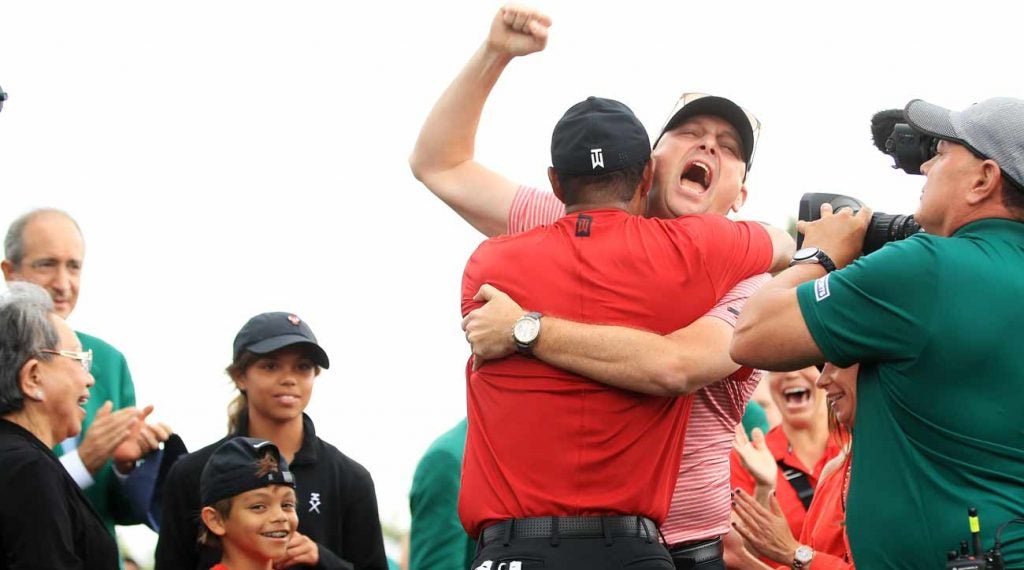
[[882, 229], [908, 148]]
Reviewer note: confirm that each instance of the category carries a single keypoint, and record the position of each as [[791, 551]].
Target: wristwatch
[[526, 331], [803, 556], [813, 255]]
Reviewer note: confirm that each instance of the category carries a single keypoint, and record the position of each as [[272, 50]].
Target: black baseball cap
[[268, 332], [598, 136], [232, 469], [696, 104]]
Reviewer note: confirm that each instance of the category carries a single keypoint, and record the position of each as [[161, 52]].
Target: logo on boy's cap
[[294, 320]]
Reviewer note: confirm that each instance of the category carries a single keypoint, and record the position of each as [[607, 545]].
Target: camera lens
[[885, 228]]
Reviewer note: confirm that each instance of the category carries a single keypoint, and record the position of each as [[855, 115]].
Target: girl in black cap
[[276, 359]]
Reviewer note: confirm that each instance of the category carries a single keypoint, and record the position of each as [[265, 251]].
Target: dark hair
[[223, 508], [1013, 197], [25, 330], [618, 186], [238, 408]]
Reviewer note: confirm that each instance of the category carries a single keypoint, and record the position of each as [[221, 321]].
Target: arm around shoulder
[[771, 333]]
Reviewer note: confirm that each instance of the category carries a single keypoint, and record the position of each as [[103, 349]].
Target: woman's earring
[[39, 395]]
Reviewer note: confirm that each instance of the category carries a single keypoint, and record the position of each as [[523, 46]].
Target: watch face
[[526, 330], [805, 253], [804, 554]]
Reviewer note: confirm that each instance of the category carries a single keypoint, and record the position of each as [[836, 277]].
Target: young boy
[[248, 498]]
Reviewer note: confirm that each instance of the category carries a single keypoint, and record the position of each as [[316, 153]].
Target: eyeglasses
[[83, 358], [687, 98]]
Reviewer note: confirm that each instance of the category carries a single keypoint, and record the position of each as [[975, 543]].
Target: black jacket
[[45, 520], [337, 508]]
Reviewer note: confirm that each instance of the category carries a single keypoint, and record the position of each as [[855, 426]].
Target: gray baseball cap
[[993, 128]]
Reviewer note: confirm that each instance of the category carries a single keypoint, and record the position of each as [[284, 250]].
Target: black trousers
[[615, 553]]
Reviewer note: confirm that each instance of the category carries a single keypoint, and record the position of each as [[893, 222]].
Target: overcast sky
[[230, 158]]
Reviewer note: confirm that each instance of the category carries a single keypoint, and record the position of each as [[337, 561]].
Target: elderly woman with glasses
[[45, 520]]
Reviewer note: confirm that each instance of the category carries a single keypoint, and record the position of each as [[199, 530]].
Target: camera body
[[882, 229], [908, 148]]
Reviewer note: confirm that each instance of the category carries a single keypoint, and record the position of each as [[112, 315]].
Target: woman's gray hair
[[25, 330]]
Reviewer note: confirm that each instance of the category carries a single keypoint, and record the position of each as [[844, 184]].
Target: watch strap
[[819, 257]]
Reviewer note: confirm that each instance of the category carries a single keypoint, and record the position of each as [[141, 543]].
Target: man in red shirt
[[700, 165], [558, 468]]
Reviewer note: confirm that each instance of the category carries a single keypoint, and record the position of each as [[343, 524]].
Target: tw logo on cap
[[294, 320], [596, 158]]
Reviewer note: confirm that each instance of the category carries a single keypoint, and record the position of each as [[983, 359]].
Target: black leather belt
[[699, 552], [572, 527]]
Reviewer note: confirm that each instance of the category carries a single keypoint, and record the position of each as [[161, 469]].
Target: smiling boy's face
[[259, 523]]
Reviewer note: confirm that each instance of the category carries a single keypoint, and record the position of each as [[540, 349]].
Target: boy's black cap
[[598, 136], [231, 470], [268, 332]]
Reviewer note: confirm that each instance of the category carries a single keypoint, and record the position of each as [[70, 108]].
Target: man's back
[[938, 428], [543, 441]]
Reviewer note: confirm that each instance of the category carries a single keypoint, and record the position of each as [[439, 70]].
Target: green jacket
[[114, 383], [437, 540]]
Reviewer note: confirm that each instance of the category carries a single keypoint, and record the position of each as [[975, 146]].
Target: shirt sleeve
[[729, 306], [72, 462], [437, 540], [36, 518], [878, 308], [731, 251], [176, 548], [532, 208]]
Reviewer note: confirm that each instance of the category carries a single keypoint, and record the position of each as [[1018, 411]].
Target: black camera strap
[[798, 480]]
